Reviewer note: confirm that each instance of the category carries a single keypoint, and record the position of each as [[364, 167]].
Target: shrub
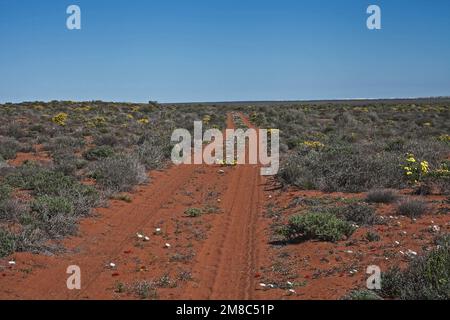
[[98, 153], [107, 139], [7, 243], [361, 214], [381, 196], [68, 163], [55, 215], [45, 182], [119, 173], [427, 277], [8, 148], [411, 208], [193, 212], [372, 236], [362, 294], [343, 167], [321, 226], [49, 206], [152, 155], [5, 192]]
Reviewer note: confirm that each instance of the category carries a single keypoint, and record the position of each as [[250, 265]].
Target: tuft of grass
[[320, 226], [412, 208], [381, 196]]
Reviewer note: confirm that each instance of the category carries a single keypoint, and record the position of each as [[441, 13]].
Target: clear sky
[[222, 50]]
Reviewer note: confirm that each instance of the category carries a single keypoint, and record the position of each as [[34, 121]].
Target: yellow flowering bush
[[414, 169], [206, 119], [60, 119], [444, 138], [143, 121], [97, 122]]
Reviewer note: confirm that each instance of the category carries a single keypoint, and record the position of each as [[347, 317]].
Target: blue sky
[[223, 50]]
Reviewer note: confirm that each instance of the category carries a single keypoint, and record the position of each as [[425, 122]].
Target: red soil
[[228, 252]]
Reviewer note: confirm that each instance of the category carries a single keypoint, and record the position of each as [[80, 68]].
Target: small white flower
[[401, 252], [112, 265], [435, 228], [397, 243], [262, 285], [221, 171], [167, 245], [289, 283], [140, 236], [158, 230], [349, 251], [292, 291], [11, 263], [272, 286], [146, 238]]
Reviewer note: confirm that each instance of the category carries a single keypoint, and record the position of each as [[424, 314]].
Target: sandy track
[[225, 262]]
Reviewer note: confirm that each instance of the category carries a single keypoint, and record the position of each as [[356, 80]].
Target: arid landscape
[[91, 184]]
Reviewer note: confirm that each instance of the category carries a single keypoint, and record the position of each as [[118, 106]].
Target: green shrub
[[5, 192], [7, 243], [426, 278], [98, 153], [193, 212], [41, 181], [321, 226], [50, 206]]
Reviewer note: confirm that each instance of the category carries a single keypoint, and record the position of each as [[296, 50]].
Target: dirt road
[[215, 256]]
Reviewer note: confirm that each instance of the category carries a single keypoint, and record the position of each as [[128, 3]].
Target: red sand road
[[225, 246]]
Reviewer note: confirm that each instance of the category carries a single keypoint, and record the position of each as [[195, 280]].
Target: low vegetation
[[426, 278]]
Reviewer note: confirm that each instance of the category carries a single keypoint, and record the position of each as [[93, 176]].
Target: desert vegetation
[[361, 183]]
